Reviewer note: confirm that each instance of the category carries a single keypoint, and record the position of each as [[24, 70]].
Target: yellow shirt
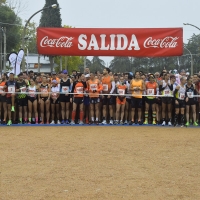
[[136, 84]]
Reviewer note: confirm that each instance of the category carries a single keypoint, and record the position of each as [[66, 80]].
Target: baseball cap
[[87, 75], [53, 73], [65, 72], [54, 81]]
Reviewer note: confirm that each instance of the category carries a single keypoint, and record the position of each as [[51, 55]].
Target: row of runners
[[105, 98]]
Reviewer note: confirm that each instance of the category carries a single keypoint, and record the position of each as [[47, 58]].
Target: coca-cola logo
[[167, 42], [63, 41]]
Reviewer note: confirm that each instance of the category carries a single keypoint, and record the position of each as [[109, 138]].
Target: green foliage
[[13, 37], [51, 17], [69, 62]]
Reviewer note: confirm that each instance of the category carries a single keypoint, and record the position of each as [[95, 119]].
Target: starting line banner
[[134, 42]]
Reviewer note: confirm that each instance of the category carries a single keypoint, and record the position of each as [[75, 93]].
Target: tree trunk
[[51, 62]]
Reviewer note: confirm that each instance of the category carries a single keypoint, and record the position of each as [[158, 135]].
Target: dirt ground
[[61, 163]]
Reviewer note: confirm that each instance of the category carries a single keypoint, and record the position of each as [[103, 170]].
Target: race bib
[[105, 87], [23, 90], [44, 90], [182, 96], [79, 90], [190, 94], [121, 91], [31, 93], [93, 87], [65, 89], [150, 91], [167, 92], [11, 89]]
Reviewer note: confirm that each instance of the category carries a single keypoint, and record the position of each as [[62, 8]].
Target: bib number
[[31, 93], [79, 90], [23, 90], [44, 90], [65, 89], [181, 96], [93, 87], [167, 92], [190, 94], [121, 91], [105, 87], [150, 92], [11, 89]]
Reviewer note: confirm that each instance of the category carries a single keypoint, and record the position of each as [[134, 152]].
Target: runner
[[108, 88], [65, 88], [137, 87], [166, 89], [121, 89], [151, 89], [180, 99], [78, 88], [55, 104], [3, 103], [10, 87], [94, 87], [190, 92], [22, 101], [44, 99], [32, 101]]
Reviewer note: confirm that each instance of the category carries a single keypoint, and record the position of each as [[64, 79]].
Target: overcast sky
[[123, 14]]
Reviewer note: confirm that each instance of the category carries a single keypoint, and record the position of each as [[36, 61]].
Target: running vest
[[181, 93], [121, 89], [79, 88], [44, 90], [151, 89], [55, 90], [94, 85], [23, 87], [11, 86], [135, 84], [65, 86], [106, 82], [166, 91], [2, 84], [32, 91], [190, 91]]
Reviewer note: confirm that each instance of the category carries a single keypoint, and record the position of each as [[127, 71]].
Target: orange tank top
[[151, 89], [121, 89], [106, 82], [2, 84], [136, 84], [93, 85], [79, 89]]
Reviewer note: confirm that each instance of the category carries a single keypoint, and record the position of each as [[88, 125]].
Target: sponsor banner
[[134, 42]]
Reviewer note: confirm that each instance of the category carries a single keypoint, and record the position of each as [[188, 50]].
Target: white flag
[[19, 61], [13, 58]]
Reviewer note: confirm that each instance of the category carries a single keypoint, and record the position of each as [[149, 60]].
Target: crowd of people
[[166, 98]]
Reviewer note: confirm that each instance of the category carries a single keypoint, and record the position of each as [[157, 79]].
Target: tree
[[96, 64], [120, 64], [51, 18], [8, 16]]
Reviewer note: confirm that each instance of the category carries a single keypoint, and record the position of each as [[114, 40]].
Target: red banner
[[134, 42]]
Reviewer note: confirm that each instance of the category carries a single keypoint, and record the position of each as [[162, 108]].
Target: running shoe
[[111, 122], [140, 122], [195, 124], [41, 122], [67, 121], [126, 122], [72, 123], [9, 123], [187, 124], [13, 109], [52, 122], [104, 122], [121, 123], [97, 122], [86, 121], [91, 122], [164, 123], [154, 122], [116, 122], [29, 122], [63, 121], [47, 123], [182, 125], [58, 122], [4, 122], [145, 122], [81, 123], [20, 122], [131, 123], [169, 123]]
